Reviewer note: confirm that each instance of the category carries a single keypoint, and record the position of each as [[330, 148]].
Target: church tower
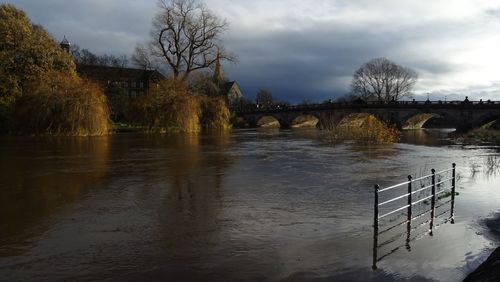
[[218, 77], [65, 45]]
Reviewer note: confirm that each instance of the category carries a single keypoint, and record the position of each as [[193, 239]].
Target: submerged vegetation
[[215, 114], [363, 128], [173, 107], [480, 135], [488, 133], [168, 107]]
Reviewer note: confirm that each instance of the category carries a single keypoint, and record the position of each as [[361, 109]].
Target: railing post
[[433, 201], [452, 210], [409, 213], [375, 227]]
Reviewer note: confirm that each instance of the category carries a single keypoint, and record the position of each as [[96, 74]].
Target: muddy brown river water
[[246, 206]]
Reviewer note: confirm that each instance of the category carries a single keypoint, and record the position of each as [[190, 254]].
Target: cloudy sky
[[308, 49]]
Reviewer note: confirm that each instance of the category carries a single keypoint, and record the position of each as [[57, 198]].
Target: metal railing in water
[[413, 198]]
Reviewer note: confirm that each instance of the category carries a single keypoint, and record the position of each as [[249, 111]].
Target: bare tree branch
[[383, 80], [142, 58], [186, 35]]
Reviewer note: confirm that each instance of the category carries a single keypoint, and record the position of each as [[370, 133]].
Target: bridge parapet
[[375, 104]]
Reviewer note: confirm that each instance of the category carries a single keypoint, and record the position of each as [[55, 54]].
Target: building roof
[[65, 42], [105, 73], [228, 85]]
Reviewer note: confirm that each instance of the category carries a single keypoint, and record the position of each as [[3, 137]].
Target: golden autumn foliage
[[61, 104], [40, 92], [215, 114], [364, 128], [27, 52], [168, 107], [173, 107]]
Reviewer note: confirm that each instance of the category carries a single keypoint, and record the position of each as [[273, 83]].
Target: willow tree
[[61, 104], [40, 92], [186, 36], [383, 80]]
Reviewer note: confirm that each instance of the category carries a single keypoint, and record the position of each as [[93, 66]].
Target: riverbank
[[489, 133], [488, 270]]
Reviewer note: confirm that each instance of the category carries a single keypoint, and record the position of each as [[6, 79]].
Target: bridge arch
[[487, 120], [417, 121], [357, 119], [421, 120], [305, 120], [268, 121]]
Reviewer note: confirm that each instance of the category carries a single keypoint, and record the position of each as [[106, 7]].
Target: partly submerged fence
[[420, 192]]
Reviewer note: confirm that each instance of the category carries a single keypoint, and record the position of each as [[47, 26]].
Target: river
[[251, 205]]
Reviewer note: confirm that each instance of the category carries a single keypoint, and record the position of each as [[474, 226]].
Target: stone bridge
[[462, 115]]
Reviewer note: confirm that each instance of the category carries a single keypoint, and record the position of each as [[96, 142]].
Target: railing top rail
[[414, 180], [421, 177], [430, 175], [443, 171], [416, 191]]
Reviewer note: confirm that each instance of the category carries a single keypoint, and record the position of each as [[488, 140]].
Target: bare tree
[[142, 58], [383, 80], [186, 34], [264, 98]]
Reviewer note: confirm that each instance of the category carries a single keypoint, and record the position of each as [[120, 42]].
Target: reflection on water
[[39, 177], [428, 137], [191, 208], [251, 205], [409, 211]]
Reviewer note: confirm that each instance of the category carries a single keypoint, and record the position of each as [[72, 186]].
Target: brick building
[[135, 82]]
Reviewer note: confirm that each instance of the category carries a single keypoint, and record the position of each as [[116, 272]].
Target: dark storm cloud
[[298, 65], [301, 50], [317, 63]]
